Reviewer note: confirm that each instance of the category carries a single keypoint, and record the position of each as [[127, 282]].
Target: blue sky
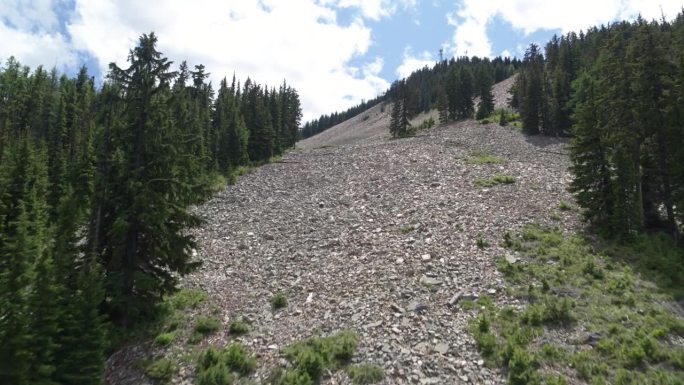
[[335, 52]]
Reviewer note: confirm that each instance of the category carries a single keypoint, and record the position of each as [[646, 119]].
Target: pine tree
[[145, 243], [486, 105], [589, 152], [464, 107], [530, 91], [79, 357]]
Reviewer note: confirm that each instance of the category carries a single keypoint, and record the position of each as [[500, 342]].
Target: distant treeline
[[95, 186], [619, 91], [422, 88]]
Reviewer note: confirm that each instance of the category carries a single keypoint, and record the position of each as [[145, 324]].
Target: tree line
[[449, 86], [95, 186], [618, 90], [425, 88]]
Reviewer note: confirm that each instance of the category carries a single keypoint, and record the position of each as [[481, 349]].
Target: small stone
[[511, 258], [268, 237], [429, 281], [400, 261], [417, 307], [425, 257], [396, 308], [442, 348], [273, 347]]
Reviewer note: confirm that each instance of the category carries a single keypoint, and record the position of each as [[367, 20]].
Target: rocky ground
[[377, 236]]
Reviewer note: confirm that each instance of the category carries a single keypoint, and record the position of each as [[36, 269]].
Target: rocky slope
[[374, 235]]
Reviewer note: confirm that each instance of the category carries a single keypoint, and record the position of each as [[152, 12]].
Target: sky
[[336, 53]]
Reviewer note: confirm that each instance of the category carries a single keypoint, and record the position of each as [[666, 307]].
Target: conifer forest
[[482, 221]]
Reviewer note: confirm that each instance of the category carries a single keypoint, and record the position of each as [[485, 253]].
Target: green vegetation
[[406, 229], [589, 317], [365, 374], [311, 357], [426, 124], [218, 367], [501, 116], [279, 301], [576, 87], [495, 180], [481, 242], [204, 326], [161, 370], [95, 188], [164, 339], [238, 327], [564, 206], [484, 157]]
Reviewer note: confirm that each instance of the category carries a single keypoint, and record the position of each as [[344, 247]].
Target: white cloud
[[29, 33], [375, 9], [268, 40], [472, 17], [411, 63]]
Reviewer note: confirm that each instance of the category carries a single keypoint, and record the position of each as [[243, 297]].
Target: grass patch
[[161, 370], [279, 301], [186, 299], [564, 206], [204, 326], [426, 124], [406, 229], [238, 327], [495, 180], [481, 242], [365, 374], [165, 339], [221, 366], [621, 326], [314, 356], [502, 116], [484, 157]]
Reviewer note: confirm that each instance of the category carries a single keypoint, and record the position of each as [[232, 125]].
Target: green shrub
[[564, 206], [217, 374], [279, 301], [161, 370], [484, 157], [238, 327], [186, 299], [293, 377], [207, 325], [365, 374], [481, 242], [406, 229], [315, 354], [208, 358], [237, 358], [495, 180], [164, 339], [522, 368]]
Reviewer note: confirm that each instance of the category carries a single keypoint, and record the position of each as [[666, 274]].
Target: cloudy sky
[[334, 52]]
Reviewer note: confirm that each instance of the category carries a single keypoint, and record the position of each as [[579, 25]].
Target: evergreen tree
[[145, 245], [464, 106], [486, 105]]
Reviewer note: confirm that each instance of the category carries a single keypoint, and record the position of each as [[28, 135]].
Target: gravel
[[374, 235]]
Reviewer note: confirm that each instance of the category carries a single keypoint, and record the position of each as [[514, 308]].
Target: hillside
[[375, 236], [372, 124]]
